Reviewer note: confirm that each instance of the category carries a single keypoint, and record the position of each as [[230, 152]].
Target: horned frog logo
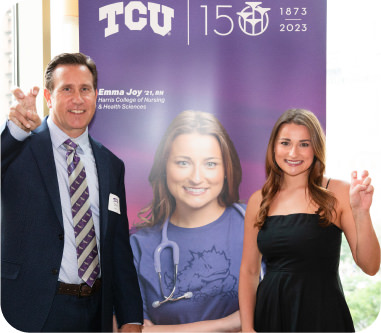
[[206, 274]]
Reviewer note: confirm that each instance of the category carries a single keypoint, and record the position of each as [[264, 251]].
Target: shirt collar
[[58, 137]]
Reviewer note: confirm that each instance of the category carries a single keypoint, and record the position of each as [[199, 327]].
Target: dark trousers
[[74, 314]]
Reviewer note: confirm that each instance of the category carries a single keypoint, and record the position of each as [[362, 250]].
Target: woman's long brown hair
[[323, 198]]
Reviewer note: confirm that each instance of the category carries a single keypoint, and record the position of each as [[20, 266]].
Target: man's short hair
[[70, 59]]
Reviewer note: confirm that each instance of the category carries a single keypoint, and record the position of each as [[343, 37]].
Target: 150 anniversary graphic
[[188, 22], [252, 19]]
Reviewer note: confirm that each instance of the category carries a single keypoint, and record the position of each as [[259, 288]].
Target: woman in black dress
[[296, 222]]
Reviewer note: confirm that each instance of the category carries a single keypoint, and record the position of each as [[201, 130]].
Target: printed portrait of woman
[[188, 250]]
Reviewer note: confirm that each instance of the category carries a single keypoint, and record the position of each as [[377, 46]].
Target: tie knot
[[70, 145]]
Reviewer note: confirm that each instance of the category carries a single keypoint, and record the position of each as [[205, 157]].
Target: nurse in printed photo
[[188, 250]]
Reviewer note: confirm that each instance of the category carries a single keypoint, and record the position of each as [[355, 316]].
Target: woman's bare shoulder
[[256, 197], [337, 186], [254, 202]]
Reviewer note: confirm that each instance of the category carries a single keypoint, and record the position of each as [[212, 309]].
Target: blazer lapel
[[102, 163], [43, 151]]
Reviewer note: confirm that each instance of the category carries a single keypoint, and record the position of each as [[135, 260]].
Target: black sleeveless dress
[[301, 291]]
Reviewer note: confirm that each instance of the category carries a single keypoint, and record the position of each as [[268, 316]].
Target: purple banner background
[[246, 81]]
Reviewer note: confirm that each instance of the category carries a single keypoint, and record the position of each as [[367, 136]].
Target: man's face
[[73, 99]]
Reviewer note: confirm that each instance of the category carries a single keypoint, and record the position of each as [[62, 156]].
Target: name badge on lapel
[[113, 203]]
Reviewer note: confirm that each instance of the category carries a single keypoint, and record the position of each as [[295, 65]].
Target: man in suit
[[66, 260]]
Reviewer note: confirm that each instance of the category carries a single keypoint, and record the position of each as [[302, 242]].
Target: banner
[[244, 61]]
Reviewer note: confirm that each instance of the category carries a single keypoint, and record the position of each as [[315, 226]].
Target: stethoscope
[[165, 242]]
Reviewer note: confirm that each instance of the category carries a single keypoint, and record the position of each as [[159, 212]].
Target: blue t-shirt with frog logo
[[210, 258]]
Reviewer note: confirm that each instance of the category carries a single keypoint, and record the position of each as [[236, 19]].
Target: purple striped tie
[[87, 251]]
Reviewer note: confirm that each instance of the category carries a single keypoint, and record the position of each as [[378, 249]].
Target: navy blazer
[[32, 234]]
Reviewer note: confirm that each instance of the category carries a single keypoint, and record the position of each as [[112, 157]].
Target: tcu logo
[[139, 20]]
